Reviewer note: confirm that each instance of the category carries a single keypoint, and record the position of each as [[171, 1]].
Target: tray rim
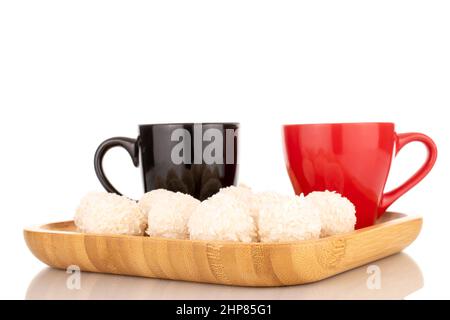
[[402, 218]]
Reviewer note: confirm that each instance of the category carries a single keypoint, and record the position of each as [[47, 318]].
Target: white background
[[73, 73]]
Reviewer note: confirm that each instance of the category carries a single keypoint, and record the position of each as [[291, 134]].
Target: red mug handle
[[402, 140]]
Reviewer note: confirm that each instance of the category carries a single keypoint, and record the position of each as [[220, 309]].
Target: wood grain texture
[[59, 245]]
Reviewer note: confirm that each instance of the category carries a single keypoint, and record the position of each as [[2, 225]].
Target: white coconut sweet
[[283, 218], [233, 214], [109, 213], [337, 213], [168, 213], [226, 216]]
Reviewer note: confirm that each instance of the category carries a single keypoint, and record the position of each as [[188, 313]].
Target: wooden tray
[[59, 245]]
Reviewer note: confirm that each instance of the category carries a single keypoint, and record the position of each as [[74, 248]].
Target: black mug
[[193, 158]]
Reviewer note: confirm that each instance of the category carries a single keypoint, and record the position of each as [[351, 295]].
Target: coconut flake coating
[[168, 213], [151, 197], [286, 218], [109, 213], [337, 213], [244, 195], [226, 216]]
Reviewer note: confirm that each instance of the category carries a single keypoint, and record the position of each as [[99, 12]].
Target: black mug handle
[[128, 144]]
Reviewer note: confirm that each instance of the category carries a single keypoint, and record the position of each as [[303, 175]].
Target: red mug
[[353, 159]]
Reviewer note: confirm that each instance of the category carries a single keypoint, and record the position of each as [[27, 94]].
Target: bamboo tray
[[59, 245]]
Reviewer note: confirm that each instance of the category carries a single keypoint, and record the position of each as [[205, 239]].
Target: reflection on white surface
[[400, 276]]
